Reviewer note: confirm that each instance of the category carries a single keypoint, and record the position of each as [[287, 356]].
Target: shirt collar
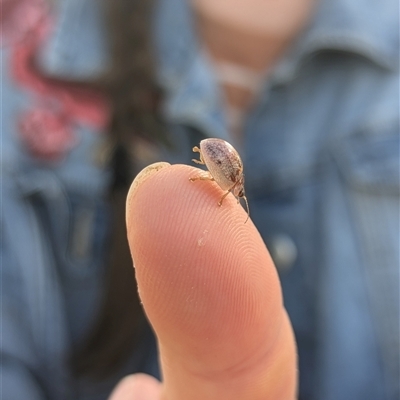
[[368, 30], [359, 26]]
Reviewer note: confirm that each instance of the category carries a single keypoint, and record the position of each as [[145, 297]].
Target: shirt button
[[283, 251]]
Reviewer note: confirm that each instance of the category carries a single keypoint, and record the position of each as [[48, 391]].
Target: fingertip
[[139, 180], [201, 270]]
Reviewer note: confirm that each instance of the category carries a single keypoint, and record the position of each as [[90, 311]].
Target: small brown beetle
[[224, 167]]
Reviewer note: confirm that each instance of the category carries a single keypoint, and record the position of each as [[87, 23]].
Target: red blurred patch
[[18, 17], [47, 132]]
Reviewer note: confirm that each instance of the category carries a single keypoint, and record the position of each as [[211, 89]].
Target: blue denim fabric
[[321, 156], [54, 230]]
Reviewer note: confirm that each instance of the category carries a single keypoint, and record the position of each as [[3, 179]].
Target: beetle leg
[[206, 177], [223, 197], [197, 150], [247, 206]]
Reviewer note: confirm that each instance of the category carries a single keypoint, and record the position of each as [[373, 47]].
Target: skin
[[210, 291]]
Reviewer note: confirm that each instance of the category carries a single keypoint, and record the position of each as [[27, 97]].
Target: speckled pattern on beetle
[[225, 167]]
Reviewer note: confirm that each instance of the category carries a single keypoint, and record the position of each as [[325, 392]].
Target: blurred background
[[94, 90]]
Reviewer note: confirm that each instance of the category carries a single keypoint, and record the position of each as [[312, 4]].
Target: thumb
[[209, 289]]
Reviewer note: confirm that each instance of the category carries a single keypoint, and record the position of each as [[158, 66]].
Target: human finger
[[210, 291]]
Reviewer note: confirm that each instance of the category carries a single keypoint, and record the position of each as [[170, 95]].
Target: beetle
[[225, 167]]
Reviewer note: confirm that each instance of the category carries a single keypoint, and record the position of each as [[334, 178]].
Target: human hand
[[210, 291]]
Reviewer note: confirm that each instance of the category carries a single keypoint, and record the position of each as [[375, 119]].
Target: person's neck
[[244, 39], [251, 33]]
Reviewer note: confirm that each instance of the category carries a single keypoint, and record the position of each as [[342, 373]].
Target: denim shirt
[[321, 156], [55, 218]]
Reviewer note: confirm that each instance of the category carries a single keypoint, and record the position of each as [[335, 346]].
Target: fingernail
[[144, 174]]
